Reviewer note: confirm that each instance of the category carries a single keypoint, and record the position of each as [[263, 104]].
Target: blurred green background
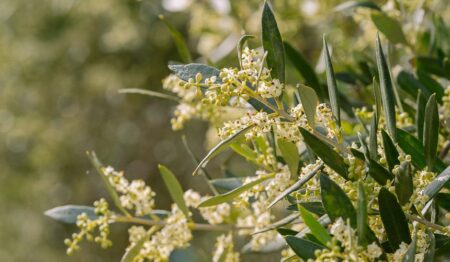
[[61, 64]]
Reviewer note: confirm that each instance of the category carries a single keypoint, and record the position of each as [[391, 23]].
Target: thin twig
[[426, 223]]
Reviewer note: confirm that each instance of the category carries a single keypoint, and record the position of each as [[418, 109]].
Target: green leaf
[[390, 151], [69, 213], [189, 71], [378, 99], [241, 44], [387, 92], [390, 27], [431, 131], [373, 147], [331, 83], [286, 231], [409, 83], [432, 85], [215, 200], [227, 183], [361, 215], [432, 65], [309, 100], [132, 252], [335, 201], [315, 207], [111, 191], [316, 228], [356, 4], [148, 93], [330, 157], [379, 173], [273, 44], [404, 184], [219, 148], [245, 151], [436, 185], [393, 219], [411, 252], [174, 187], [303, 248], [290, 154], [297, 185], [305, 69], [180, 44], [413, 147]]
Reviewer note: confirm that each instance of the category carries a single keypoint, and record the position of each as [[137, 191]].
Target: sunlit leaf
[[174, 188], [387, 92], [68, 214], [316, 228], [404, 187], [309, 100], [436, 185], [331, 83], [361, 218], [216, 200], [356, 4], [219, 148], [290, 154], [390, 28], [148, 93]]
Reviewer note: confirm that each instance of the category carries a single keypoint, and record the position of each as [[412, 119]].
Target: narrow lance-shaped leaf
[[111, 191], [390, 151], [330, 157], [174, 187], [356, 4], [305, 69], [431, 131], [297, 185], [373, 137], [316, 228], [387, 94], [302, 247], [290, 154], [148, 93], [219, 148], [420, 114], [273, 43], [68, 214], [309, 100], [189, 71], [393, 219], [181, 45], [134, 250], [361, 218], [410, 254], [331, 83], [241, 44], [379, 173], [335, 201], [436, 185], [215, 200], [378, 99]]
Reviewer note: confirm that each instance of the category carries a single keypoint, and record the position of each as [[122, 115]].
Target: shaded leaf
[[174, 188], [330, 157], [303, 248], [390, 28], [432, 65], [431, 131], [189, 71], [309, 100], [331, 83], [379, 173], [272, 43], [387, 92], [390, 151], [361, 218], [313, 207], [432, 85], [69, 213], [219, 148], [411, 252], [227, 183], [393, 219], [335, 201], [373, 146], [404, 184], [305, 69], [409, 83], [286, 231], [180, 43]]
